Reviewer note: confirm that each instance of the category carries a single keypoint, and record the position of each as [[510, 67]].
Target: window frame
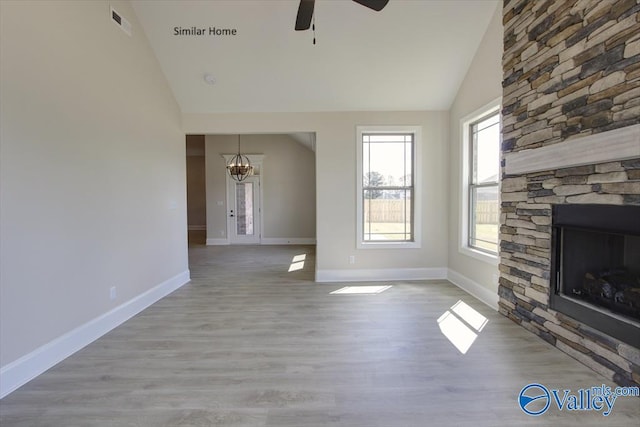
[[416, 201], [466, 182]]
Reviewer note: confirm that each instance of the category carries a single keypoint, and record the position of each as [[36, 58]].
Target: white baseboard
[[29, 366], [374, 275], [217, 242], [197, 227], [288, 241], [269, 241], [482, 293]]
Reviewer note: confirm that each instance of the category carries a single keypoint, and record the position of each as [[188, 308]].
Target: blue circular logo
[[534, 399]]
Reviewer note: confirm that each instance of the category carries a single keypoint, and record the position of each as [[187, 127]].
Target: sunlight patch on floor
[[297, 263], [461, 324], [476, 320], [360, 290]]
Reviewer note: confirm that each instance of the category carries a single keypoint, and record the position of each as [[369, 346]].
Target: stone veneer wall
[[571, 68]]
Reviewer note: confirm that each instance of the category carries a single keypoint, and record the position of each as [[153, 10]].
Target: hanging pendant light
[[239, 166]]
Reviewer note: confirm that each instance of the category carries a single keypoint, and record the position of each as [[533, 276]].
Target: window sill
[[389, 245], [479, 255]]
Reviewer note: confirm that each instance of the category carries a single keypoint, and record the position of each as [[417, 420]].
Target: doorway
[[196, 190], [244, 216], [275, 206]]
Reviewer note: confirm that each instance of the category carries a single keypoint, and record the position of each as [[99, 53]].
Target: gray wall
[[482, 85], [92, 171]]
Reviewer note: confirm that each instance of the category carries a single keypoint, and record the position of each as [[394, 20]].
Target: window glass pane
[[489, 121], [386, 137], [366, 169], [387, 215], [486, 150], [244, 209], [387, 160], [485, 218], [407, 179]]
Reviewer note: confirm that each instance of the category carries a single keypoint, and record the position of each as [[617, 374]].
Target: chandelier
[[239, 166]]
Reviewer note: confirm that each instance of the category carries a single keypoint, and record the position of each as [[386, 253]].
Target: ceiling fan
[[305, 11]]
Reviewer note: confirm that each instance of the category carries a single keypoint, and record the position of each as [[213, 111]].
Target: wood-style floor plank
[[248, 343]]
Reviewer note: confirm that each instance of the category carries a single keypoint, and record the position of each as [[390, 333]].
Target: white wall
[[288, 180], [482, 84], [336, 187], [92, 176]]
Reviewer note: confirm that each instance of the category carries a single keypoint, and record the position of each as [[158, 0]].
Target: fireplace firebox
[[595, 268]]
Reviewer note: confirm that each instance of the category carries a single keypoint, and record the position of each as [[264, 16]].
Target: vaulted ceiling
[[412, 55]]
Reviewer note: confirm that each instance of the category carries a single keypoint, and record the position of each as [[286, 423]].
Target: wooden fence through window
[[393, 210]]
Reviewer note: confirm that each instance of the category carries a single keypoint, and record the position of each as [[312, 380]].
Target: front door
[[244, 211]]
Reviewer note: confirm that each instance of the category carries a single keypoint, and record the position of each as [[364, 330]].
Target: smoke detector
[[209, 79]]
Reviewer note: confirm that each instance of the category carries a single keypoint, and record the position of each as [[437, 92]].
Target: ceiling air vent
[[120, 21]]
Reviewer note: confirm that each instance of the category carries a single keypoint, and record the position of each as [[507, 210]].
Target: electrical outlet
[[113, 293], [352, 259]]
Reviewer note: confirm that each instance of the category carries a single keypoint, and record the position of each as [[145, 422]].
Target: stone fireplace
[[571, 141], [574, 216]]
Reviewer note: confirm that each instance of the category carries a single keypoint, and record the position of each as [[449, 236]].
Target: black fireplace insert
[[595, 268]]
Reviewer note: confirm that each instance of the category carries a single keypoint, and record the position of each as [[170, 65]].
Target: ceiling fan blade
[[376, 5], [305, 13]]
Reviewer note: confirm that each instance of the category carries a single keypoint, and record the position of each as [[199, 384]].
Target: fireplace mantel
[[613, 145]]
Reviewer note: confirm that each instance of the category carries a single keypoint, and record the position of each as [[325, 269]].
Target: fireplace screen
[[602, 269], [596, 267]]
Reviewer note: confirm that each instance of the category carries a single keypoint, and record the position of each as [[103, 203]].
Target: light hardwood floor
[[248, 343]]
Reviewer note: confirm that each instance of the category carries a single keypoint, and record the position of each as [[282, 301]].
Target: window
[[479, 214], [483, 183], [387, 195]]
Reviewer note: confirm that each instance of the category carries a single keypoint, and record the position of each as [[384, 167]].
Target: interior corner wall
[[92, 172], [288, 180], [482, 84]]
